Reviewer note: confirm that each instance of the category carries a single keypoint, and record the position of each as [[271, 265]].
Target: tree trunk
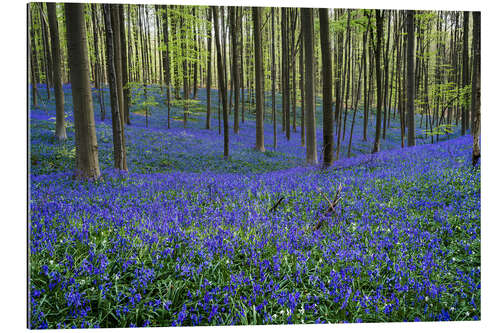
[[386, 73], [365, 89], [34, 61], [378, 72], [410, 83], [209, 69], [166, 61], [259, 79], [273, 79], [235, 86], [307, 23], [465, 69], [222, 83], [184, 69], [56, 67], [46, 51], [285, 75], [476, 86], [98, 68], [124, 65], [326, 59], [87, 161], [119, 151]]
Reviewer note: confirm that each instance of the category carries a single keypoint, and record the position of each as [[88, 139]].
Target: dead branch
[[273, 208], [331, 208]]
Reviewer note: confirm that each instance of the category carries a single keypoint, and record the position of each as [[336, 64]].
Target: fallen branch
[[331, 208], [273, 208]]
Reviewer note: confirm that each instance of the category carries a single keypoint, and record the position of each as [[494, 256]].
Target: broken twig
[[273, 208], [331, 208]]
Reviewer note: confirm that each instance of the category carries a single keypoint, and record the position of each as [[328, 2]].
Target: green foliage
[[143, 100], [440, 130]]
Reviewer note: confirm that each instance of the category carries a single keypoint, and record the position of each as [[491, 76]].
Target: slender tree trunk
[[259, 79], [410, 103], [386, 73], [115, 22], [184, 70], [356, 97], [365, 89], [285, 76], [222, 83], [46, 51], [242, 71], [273, 78], [465, 69], [326, 59], [310, 121], [166, 61], [209, 70], [98, 69], [378, 72], [124, 66], [119, 151], [347, 76], [294, 70], [87, 161], [302, 91], [476, 86], [236, 67], [56, 67], [34, 60]]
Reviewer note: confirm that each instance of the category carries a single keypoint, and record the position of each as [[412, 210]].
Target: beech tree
[[309, 82], [87, 161], [410, 83], [327, 88], [221, 79], [465, 70], [235, 65], [476, 86], [119, 151], [378, 71], [259, 79], [56, 68]]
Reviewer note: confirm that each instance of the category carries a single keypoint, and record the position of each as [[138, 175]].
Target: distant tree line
[[419, 68]]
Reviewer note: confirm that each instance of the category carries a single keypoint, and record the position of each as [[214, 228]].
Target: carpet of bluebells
[[187, 238]]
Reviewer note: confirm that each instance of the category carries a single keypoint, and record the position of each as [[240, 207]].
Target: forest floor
[[188, 238]]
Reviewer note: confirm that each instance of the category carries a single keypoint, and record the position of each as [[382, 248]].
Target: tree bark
[[259, 79], [235, 86], [326, 59], [166, 61], [87, 161], [56, 68], [98, 68], [209, 69], [465, 70], [378, 72], [410, 83], [310, 121], [34, 61], [119, 151], [476, 86], [124, 65], [222, 83], [273, 79], [285, 75]]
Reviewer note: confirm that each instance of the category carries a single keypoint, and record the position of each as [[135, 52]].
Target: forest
[[212, 165]]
